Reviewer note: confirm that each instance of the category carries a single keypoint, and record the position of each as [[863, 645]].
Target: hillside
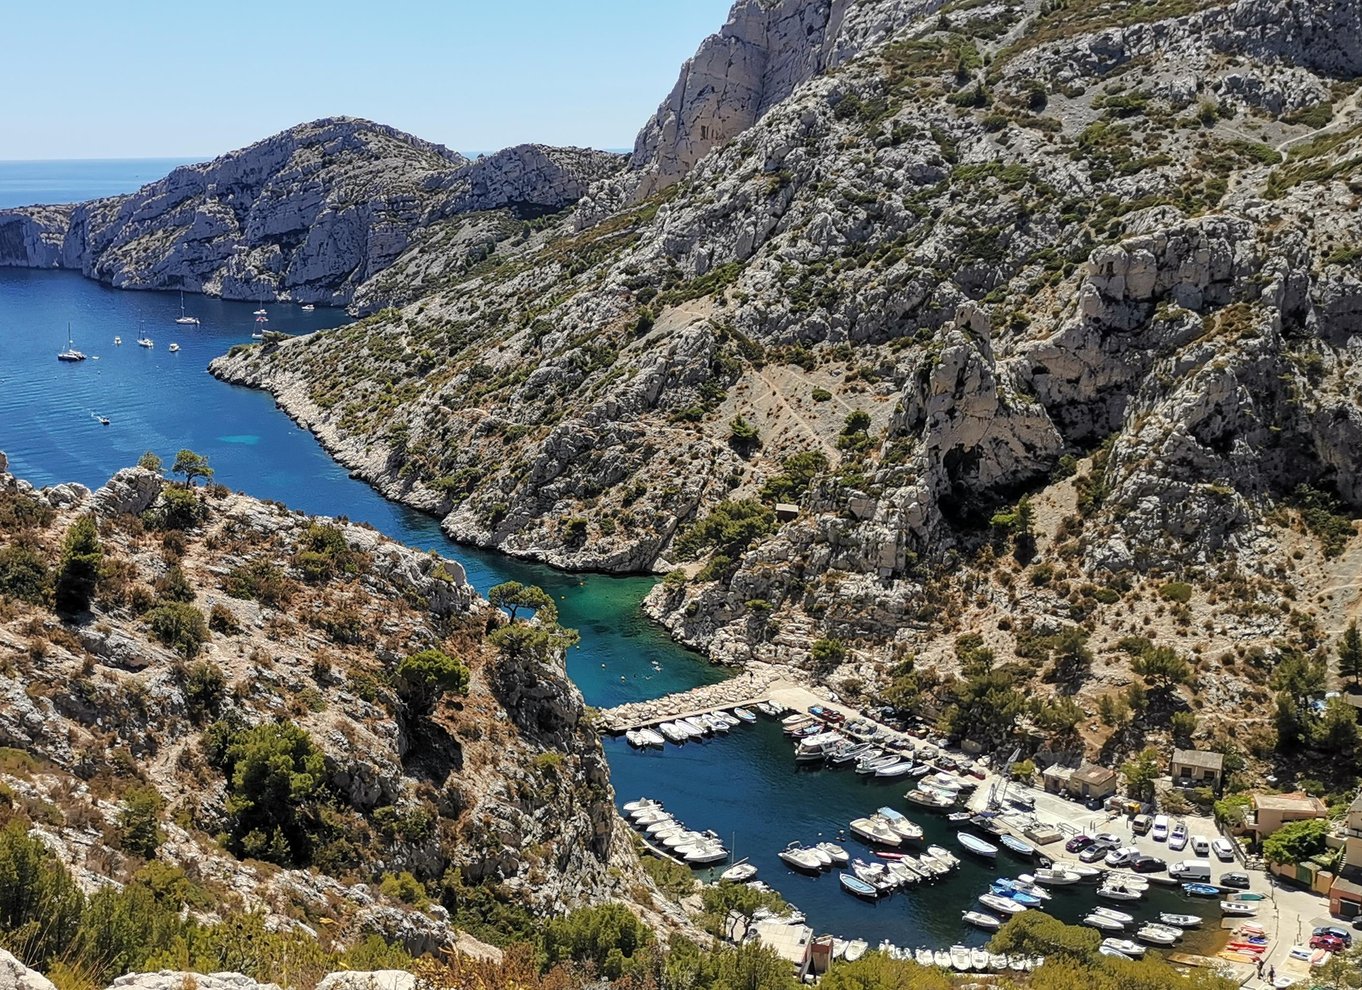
[[312, 214], [925, 260], [432, 775]]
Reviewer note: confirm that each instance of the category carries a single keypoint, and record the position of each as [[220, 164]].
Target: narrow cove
[[744, 786]]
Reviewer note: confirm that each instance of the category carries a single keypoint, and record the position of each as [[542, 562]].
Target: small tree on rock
[[513, 596], [1350, 654], [422, 679], [81, 556], [192, 466]]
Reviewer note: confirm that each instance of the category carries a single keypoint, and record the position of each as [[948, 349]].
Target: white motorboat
[[813, 748], [899, 824], [824, 858], [702, 854], [118, 341], [740, 873], [1102, 922], [1239, 909], [632, 737], [1156, 935], [932, 866], [1026, 884], [855, 949], [261, 311], [836, 853], [998, 961], [1004, 904], [1116, 892], [944, 855], [673, 733], [798, 718], [1112, 913], [874, 829], [874, 874], [978, 958], [960, 958], [307, 307], [1180, 920], [903, 873], [923, 956], [145, 342], [801, 858], [642, 804], [977, 845], [1084, 872], [980, 919], [893, 770], [651, 737], [930, 798], [1055, 876], [699, 725], [943, 782], [1125, 946], [941, 958], [871, 766]]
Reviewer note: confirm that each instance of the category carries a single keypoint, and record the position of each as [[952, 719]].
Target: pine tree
[[1350, 654]]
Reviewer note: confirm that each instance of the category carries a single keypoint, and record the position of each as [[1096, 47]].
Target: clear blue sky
[[151, 78]]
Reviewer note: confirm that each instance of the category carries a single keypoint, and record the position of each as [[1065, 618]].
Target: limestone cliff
[[311, 214]]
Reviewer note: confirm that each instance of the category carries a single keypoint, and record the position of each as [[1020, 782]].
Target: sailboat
[[70, 354], [187, 320]]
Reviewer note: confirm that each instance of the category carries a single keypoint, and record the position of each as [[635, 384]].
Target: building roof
[[1297, 802], [1200, 759], [1347, 885], [1091, 773], [1057, 771]]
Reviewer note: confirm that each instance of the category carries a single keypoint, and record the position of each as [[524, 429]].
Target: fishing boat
[[960, 958], [743, 715], [1112, 913], [981, 919], [836, 853], [977, 845], [900, 824], [800, 858], [874, 829], [1238, 909], [1004, 904], [70, 355], [978, 958], [1103, 923], [1055, 876], [1125, 947], [1017, 845], [183, 319], [1201, 889], [855, 949], [1180, 920], [1156, 935], [739, 873], [855, 885]]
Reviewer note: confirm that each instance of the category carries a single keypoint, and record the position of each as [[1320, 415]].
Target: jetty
[[757, 684]]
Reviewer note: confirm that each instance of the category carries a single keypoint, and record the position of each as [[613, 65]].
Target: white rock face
[[168, 979], [310, 214], [14, 975], [131, 490], [378, 979]]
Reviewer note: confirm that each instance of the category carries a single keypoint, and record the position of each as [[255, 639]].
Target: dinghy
[[855, 885], [979, 919], [1125, 946], [1180, 920], [976, 845]]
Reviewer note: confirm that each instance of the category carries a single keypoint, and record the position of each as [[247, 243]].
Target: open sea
[[744, 786]]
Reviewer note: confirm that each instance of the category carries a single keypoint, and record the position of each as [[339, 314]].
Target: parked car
[[1107, 840], [1177, 839], [1201, 845], [1148, 864], [1330, 942], [1223, 850], [1092, 854], [1078, 843], [1160, 832], [1239, 881], [1337, 931]]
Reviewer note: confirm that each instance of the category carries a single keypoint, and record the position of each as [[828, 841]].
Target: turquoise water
[[744, 786]]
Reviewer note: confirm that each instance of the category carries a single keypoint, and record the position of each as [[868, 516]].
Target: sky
[[185, 78]]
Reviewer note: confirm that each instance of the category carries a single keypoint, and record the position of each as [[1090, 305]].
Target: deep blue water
[[27, 183], [743, 786]]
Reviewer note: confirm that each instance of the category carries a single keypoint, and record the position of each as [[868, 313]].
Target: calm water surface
[[744, 786]]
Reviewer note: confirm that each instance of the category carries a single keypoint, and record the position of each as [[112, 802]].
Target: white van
[[1201, 845], [1191, 871], [1160, 828]]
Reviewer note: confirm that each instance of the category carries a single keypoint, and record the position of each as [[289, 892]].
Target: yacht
[[70, 354], [183, 319]]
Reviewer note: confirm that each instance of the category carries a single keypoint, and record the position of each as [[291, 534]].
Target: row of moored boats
[[693, 727], [668, 834]]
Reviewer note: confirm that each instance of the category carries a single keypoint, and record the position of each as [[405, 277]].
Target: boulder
[[169, 979], [130, 491], [14, 975], [376, 979]]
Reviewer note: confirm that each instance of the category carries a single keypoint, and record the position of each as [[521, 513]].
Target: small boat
[[651, 737], [956, 817], [1180, 920], [103, 420], [904, 873], [1004, 888], [824, 859], [740, 873], [1201, 889], [855, 885], [1055, 877], [70, 355], [1112, 913], [942, 959], [893, 770], [977, 845], [633, 738], [874, 829], [1158, 936], [873, 764], [835, 853], [900, 824], [1017, 845], [261, 311], [1018, 964], [257, 336], [980, 919], [978, 958], [802, 859], [1116, 892], [998, 961], [923, 956], [960, 960], [701, 727], [1245, 895], [642, 804], [1084, 872], [118, 341], [1102, 922], [1126, 947], [1239, 909], [1004, 904], [183, 319], [1026, 882], [1107, 950], [945, 856], [743, 715], [308, 307], [145, 342], [855, 949], [930, 799], [798, 718]]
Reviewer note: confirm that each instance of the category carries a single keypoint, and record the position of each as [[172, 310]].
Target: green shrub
[[260, 581], [139, 829], [173, 586], [730, 528], [275, 785], [827, 654], [405, 888], [205, 689], [180, 508], [422, 679], [180, 627], [607, 936], [821, 395], [222, 620], [23, 574], [1176, 591]]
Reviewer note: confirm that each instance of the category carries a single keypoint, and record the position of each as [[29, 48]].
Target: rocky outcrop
[[14, 975], [131, 490], [310, 214], [168, 979]]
